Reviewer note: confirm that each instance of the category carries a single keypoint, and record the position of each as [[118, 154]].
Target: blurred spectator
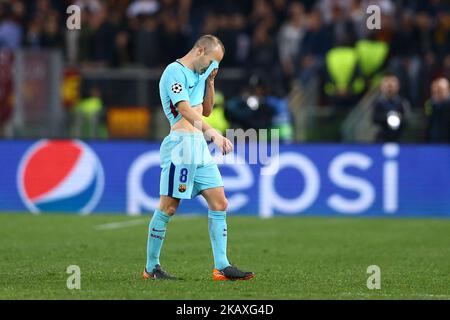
[[148, 42], [446, 67], [44, 30], [387, 6], [232, 30], [118, 33], [227, 31], [280, 9], [210, 24], [123, 53], [427, 53], [406, 55], [10, 29], [180, 9], [33, 36], [175, 41], [228, 35], [87, 115], [259, 108], [6, 87], [242, 39], [264, 57], [441, 34], [142, 7], [217, 118], [262, 13], [315, 44], [343, 85], [18, 9], [358, 17], [327, 7], [390, 111], [437, 111], [89, 5], [249, 110], [276, 40], [97, 39], [341, 28], [51, 35], [282, 119], [290, 37], [42, 8]]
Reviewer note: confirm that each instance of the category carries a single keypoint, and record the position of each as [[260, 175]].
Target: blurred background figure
[[88, 116], [258, 107], [437, 110], [249, 109], [314, 46], [11, 30], [390, 111], [217, 117], [290, 37]]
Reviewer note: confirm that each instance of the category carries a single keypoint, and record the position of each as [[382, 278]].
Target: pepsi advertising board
[[71, 176]]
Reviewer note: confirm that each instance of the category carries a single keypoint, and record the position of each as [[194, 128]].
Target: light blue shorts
[[187, 166]]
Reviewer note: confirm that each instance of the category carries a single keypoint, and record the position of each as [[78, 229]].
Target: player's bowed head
[[205, 51]]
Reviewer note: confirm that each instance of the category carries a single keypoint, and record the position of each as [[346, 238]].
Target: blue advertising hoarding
[[327, 179]]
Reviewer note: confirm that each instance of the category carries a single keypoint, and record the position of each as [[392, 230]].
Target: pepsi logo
[[60, 176]]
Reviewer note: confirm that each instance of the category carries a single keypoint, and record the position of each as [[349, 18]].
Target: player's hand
[[212, 75], [227, 146], [223, 143]]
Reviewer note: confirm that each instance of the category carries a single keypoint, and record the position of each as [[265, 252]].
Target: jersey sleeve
[[175, 85]]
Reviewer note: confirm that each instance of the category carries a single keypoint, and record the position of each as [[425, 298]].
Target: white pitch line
[[132, 223], [122, 224]]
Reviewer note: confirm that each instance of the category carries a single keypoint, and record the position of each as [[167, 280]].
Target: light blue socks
[[156, 233], [217, 226]]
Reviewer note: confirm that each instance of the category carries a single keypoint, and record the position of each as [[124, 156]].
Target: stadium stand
[[291, 44]]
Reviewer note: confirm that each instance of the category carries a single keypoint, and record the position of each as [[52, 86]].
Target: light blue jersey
[[179, 83], [187, 166]]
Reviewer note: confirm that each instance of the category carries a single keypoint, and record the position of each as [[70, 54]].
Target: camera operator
[[390, 111], [250, 109], [437, 111]]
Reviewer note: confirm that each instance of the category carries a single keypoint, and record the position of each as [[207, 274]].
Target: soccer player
[[187, 92]]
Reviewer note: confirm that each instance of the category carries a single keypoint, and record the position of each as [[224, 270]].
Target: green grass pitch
[[293, 258]]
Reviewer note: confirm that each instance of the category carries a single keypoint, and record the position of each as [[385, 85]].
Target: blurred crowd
[[280, 38], [281, 41]]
